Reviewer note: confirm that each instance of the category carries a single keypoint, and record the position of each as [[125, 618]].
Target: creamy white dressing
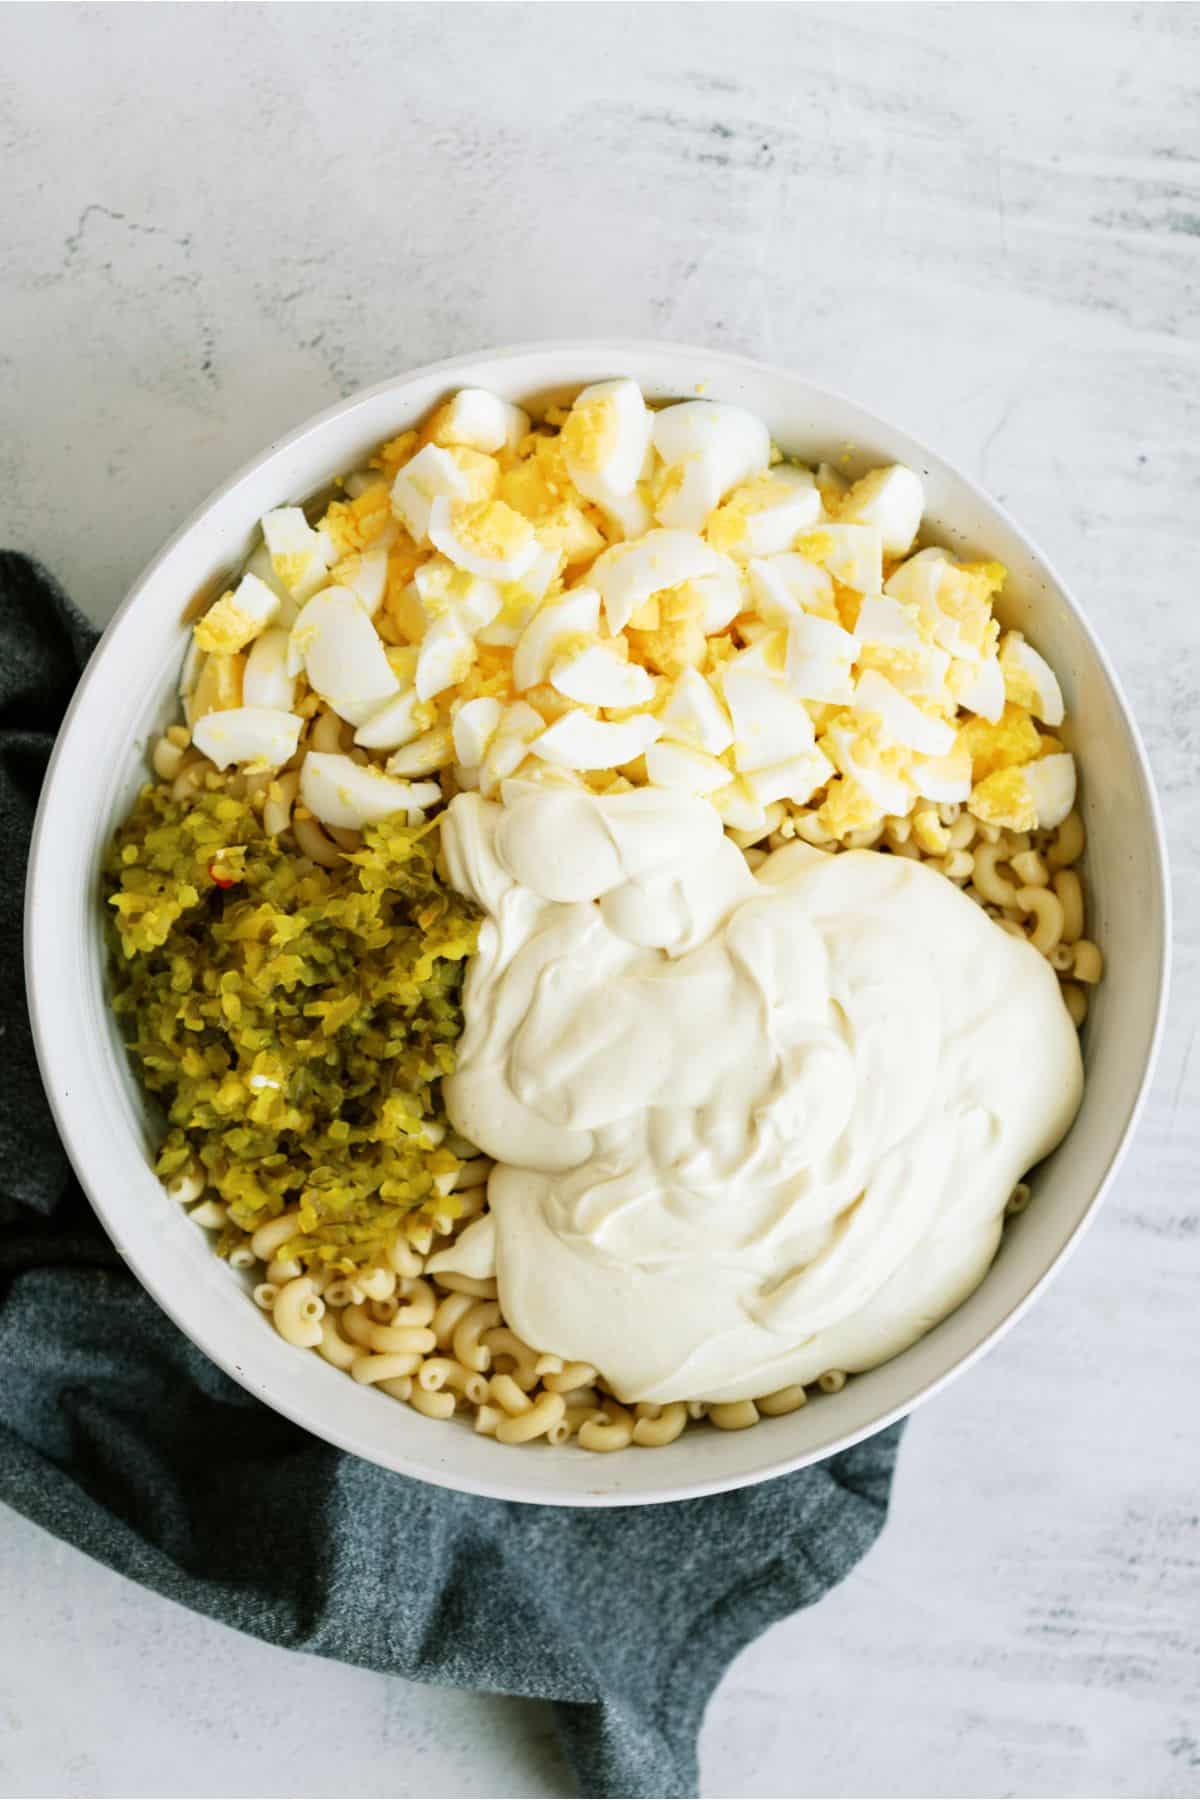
[[747, 1127]]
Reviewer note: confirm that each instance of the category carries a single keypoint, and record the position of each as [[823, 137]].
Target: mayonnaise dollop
[[747, 1127]]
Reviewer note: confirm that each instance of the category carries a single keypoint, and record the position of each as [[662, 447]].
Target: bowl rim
[[44, 1029]]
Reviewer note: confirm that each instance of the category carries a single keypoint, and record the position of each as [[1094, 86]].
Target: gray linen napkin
[[119, 1436]]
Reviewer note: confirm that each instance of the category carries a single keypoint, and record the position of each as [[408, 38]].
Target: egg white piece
[[738, 809], [595, 675], [397, 721], [365, 573], [266, 681], [578, 742], [519, 725], [694, 715], [709, 449], [343, 655], [256, 601], [787, 584], [946, 780], [627, 575], [520, 599], [1029, 680], [852, 754], [819, 659], [248, 734], [888, 622], [903, 721], [691, 771], [441, 588], [605, 439], [574, 614], [919, 581], [893, 500], [854, 556], [979, 687], [781, 505], [724, 595], [475, 725], [446, 654], [770, 724], [922, 673], [430, 475], [479, 420], [189, 674], [425, 755], [796, 780], [260, 564], [340, 792], [492, 540], [627, 515], [300, 557], [832, 487], [1051, 782]]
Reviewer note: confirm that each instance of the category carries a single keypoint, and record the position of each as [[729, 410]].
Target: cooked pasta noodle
[[735, 1415], [298, 1312]]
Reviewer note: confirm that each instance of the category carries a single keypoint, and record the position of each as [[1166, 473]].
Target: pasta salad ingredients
[[616, 602]]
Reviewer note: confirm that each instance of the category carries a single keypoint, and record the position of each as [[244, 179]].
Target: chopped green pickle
[[294, 1022]]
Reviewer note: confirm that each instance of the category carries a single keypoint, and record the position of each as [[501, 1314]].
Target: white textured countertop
[[983, 221]]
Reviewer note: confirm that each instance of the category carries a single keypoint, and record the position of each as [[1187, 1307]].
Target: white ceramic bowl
[[128, 694]]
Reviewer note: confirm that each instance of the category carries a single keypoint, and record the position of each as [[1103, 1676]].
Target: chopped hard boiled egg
[[266, 680], [819, 659], [430, 475], [237, 619], [1033, 796], [426, 754], [892, 500], [770, 724], [475, 725], [628, 575], [797, 779], [478, 420], [707, 449], [397, 721], [859, 749], [617, 597], [484, 537], [1029, 681], [694, 715], [446, 656], [556, 624], [577, 741], [903, 721], [676, 766], [248, 734], [519, 725], [852, 554], [978, 687], [340, 792], [788, 584], [605, 440], [767, 515], [300, 556], [943, 779], [595, 675], [365, 573], [343, 655]]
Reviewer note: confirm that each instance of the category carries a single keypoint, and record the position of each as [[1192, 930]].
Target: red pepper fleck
[[222, 881]]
